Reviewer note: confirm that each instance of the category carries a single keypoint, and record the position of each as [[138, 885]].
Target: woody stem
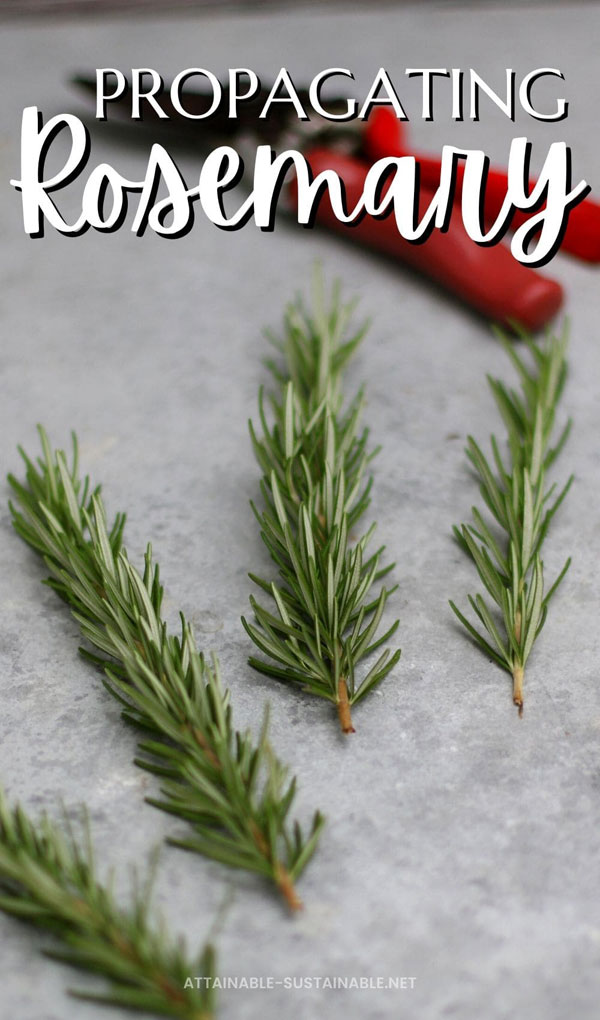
[[518, 668], [518, 686], [287, 888], [343, 707]]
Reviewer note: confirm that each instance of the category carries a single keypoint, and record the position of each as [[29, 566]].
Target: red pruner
[[384, 137], [487, 278]]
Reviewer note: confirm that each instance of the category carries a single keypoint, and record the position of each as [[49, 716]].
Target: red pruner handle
[[488, 279], [383, 136]]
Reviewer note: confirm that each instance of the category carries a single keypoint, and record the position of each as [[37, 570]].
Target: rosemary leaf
[[517, 497], [233, 791], [314, 458], [48, 879]]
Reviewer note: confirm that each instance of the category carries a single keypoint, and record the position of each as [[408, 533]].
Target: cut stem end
[[518, 688], [343, 707], [287, 888]]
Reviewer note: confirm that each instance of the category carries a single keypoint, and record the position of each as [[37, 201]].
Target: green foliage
[[314, 457], [49, 879], [507, 548], [232, 790]]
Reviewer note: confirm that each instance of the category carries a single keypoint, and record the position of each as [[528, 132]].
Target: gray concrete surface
[[462, 844]]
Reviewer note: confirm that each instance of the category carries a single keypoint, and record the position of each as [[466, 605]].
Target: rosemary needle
[[48, 879], [314, 458], [507, 550], [233, 791]]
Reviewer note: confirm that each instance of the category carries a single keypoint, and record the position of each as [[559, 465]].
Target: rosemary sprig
[[232, 791], [49, 879], [520, 503], [314, 458]]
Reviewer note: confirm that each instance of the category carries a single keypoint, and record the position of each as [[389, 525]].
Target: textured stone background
[[462, 844]]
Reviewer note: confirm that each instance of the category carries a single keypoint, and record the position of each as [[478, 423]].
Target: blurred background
[[462, 843], [24, 7]]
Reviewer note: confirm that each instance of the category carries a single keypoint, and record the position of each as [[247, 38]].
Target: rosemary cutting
[[49, 879], [520, 503], [233, 791], [314, 458]]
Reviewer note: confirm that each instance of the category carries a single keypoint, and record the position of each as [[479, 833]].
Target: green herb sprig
[[232, 791], [314, 457], [520, 503], [48, 879]]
